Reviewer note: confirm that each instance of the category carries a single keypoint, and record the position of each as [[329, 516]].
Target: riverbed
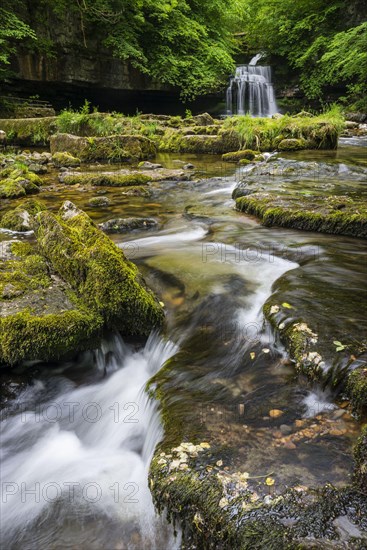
[[78, 436]]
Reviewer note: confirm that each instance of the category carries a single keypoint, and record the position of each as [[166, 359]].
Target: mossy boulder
[[178, 142], [292, 144], [20, 219], [40, 316], [357, 390], [360, 457], [117, 148], [28, 131], [17, 181], [334, 214], [107, 179], [236, 156], [65, 159], [97, 270], [99, 201]]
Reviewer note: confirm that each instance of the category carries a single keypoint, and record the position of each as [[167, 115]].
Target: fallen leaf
[[252, 355], [270, 481], [286, 305]]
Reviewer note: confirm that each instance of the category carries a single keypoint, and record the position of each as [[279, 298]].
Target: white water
[[250, 91], [99, 437]]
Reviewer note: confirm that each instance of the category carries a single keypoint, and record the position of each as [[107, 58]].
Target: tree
[[321, 40], [12, 30]]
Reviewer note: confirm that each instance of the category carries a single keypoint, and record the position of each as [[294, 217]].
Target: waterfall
[[250, 90]]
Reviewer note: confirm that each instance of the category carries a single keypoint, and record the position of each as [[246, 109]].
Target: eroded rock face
[[114, 148]]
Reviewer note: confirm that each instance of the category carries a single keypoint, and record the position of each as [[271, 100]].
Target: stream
[[77, 437]]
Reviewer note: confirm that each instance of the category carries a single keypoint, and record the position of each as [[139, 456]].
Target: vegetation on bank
[[199, 134]]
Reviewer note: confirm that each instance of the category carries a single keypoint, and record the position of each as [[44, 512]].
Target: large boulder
[[20, 219], [97, 270], [40, 316], [58, 294], [114, 148]]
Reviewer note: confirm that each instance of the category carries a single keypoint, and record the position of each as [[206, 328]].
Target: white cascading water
[[78, 464], [250, 91]]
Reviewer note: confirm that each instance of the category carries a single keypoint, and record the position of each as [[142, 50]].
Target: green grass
[[261, 132]]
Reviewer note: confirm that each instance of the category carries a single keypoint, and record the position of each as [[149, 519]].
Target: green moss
[[26, 336], [10, 189], [313, 214], [360, 458], [65, 159], [28, 131], [320, 132], [292, 144], [29, 273], [20, 219], [116, 148], [92, 264], [236, 156], [17, 180], [357, 391], [109, 180]]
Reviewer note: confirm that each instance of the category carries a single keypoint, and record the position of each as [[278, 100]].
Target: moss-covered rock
[[17, 181], [40, 317], [292, 144], [302, 344], [99, 201], [65, 159], [28, 131], [20, 219], [360, 457], [334, 214], [357, 390], [236, 156], [124, 225], [118, 148], [91, 263], [105, 179]]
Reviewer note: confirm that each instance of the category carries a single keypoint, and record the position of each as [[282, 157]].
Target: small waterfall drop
[[250, 90]]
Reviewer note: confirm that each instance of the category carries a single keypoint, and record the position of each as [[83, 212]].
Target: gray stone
[[124, 225]]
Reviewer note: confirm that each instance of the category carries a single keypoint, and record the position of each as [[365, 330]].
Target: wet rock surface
[[124, 225]]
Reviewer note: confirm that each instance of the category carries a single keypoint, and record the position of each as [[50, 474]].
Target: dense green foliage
[[12, 30], [186, 43], [191, 44], [325, 42]]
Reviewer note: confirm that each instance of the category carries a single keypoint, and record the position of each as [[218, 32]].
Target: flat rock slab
[[340, 215], [122, 178]]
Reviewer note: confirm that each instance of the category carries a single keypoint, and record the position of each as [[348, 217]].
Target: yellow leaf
[[270, 481], [252, 355], [205, 445], [286, 305]]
